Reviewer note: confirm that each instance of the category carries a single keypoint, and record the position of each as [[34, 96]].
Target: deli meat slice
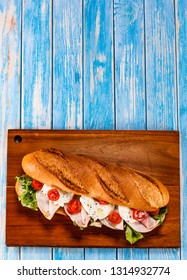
[[119, 226], [146, 225], [149, 222], [107, 223], [47, 207], [81, 219]]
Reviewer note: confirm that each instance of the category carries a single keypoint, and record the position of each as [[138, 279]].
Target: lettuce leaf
[[28, 197], [131, 235], [160, 216]]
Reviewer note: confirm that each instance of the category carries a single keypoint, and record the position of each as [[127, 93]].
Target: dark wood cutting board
[[153, 152]]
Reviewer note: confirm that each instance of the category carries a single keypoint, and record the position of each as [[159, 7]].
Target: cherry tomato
[[154, 213], [74, 206], [37, 185], [114, 217], [102, 202], [53, 194], [139, 215]]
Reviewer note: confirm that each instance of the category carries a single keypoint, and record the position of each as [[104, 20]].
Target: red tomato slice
[[114, 217], [139, 215], [74, 206], [154, 213], [53, 194], [37, 185], [102, 202]]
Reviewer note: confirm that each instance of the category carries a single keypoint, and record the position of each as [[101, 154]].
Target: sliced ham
[[119, 226], [47, 207], [81, 219], [146, 225], [149, 222], [107, 223]]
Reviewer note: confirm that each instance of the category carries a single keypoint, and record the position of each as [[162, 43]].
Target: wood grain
[[161, 92], [10, 56], [36, 64], [98, 78], [129, 64], [130, 78], [160, 65], [36, 89], [181, 31], [108, 145], [68, 80], [67, 65], [98, 65]]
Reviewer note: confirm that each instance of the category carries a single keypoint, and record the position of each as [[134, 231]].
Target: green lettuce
[[28, 197], [131, 235], [161, 215]]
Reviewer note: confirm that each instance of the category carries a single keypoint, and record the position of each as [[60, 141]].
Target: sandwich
[[92, 192]]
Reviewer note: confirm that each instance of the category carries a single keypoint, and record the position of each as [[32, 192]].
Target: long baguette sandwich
[[91, 192]]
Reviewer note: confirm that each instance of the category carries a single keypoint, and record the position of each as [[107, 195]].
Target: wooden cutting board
[[153, 152]]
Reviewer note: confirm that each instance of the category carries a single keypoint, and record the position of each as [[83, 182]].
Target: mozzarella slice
[[126, 214], [94, 209]]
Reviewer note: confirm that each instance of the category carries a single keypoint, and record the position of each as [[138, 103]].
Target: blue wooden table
[[93, 64]]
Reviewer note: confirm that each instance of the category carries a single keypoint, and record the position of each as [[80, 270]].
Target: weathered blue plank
[[160, 78], [160, 64], [98, 79], [67, 79], [36, 80], [98, 64], [67, 64], [68, 254], [129, 64], [130, 78], [36, 64], [10, 34], [181, 35]]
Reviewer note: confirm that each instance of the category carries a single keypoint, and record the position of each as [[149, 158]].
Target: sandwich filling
[[86, 211]]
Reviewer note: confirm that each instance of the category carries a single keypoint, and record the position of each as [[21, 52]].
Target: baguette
[[87, 176]]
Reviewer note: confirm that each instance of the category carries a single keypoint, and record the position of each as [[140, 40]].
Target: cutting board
[[153, 152]]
